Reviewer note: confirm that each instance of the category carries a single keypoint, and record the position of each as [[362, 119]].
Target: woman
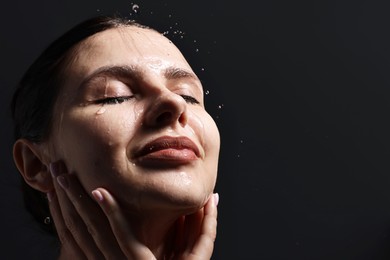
[[110, 124]]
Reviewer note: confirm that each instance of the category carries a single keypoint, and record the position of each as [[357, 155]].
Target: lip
[[167, 151]]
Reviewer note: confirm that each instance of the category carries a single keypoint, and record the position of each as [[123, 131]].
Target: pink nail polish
[[97, 195], [54, 169], [50, 196], [62, 182], [216, 199]]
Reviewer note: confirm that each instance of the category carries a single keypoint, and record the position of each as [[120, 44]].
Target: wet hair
[[33, 101]]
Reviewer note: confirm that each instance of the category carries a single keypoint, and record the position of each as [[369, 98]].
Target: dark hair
[[34, 98]]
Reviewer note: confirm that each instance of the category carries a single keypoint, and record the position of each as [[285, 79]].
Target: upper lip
[[168, 142]]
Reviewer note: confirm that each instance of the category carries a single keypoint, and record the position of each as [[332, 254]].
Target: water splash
[[135, 8]]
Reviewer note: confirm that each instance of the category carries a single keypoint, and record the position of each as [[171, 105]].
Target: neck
[[156, 232]]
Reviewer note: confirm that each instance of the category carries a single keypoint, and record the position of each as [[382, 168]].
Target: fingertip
[[216, 199], [57, 168], [50, 196], [54, 169], [98, 196]]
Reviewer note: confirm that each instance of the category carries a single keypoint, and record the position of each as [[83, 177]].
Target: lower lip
[[168, 157]]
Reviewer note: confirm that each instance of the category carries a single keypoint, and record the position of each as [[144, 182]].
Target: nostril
[[166, 109], [164, 118]]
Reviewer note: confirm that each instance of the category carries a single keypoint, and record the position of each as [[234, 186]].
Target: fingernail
[[50, 196], [97, 195], [62, 182], [54, 169], [216, 199]]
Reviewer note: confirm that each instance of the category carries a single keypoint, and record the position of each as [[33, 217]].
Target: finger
[[124, 234], [63, 233], [93, 217], [204, 246], [192, 228], [74, 225], [179, 242]]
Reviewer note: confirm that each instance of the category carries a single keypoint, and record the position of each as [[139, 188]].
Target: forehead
[[130, 46]]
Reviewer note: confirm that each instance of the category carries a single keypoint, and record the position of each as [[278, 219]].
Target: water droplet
[[97, 10], [101, 111], [207, 92], [220, 106], [238, 156], [170, 16], [47, 221], [241, 141], [194, 40], [135, 8], [202, 69], [197, 50]]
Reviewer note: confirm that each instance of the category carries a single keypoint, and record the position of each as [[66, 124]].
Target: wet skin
[[130, 118]]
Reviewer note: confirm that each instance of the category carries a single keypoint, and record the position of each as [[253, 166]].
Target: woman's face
[[130, 117]]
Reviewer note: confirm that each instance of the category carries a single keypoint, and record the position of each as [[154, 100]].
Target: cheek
[[207, 132], [204, 127], [92, 139]]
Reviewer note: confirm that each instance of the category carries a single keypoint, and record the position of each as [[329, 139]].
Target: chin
[[179, 199]]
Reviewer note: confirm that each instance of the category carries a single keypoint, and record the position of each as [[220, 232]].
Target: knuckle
[[71, 223], [64, 236], [91, 229]]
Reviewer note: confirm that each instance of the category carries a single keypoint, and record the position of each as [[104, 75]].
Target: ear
[[29, 159]]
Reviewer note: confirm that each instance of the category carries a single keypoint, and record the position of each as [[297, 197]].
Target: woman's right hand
[[82, 227], [90, 230]]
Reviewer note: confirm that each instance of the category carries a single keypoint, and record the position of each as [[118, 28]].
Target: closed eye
[[189, 99], [113, 100]]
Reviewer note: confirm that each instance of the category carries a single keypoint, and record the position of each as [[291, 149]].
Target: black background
[[300, 92]]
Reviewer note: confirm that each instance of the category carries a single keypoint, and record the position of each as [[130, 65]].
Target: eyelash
[[119, 100], [113, 100], [190, 99]]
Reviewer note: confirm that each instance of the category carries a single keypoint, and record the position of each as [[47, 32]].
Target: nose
[[166, 109]]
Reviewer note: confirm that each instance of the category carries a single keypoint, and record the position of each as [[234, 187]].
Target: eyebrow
[[178, 73], [136, 73]]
